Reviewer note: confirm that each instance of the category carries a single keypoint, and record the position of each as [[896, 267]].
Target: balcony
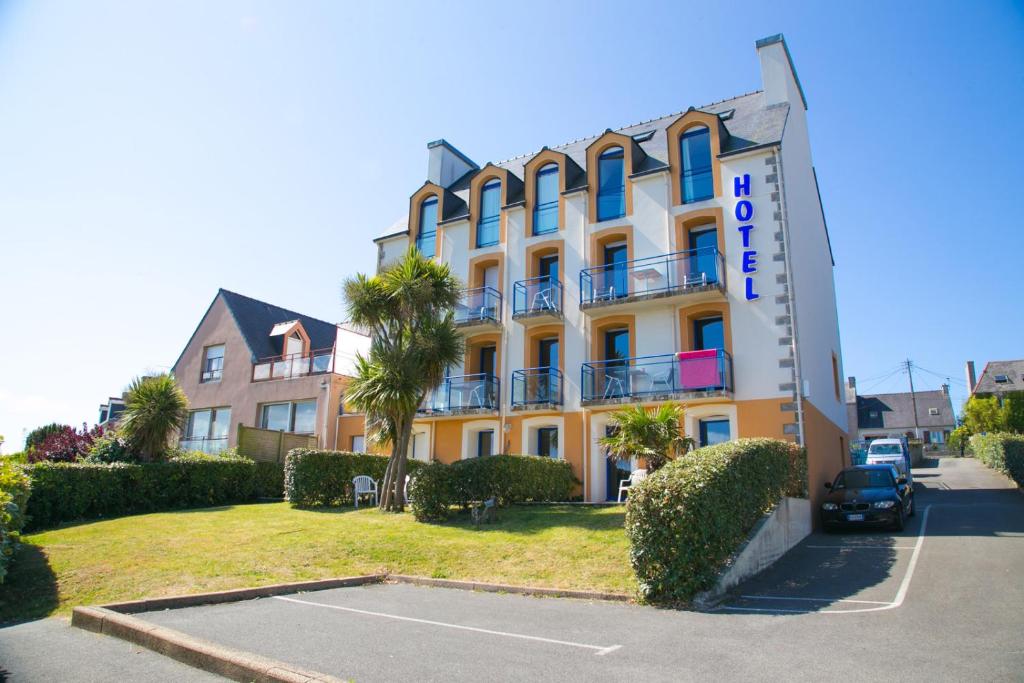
[[318, 362], [479, 307], [536, 388], [686, 375], [463, 395], [209, 446], [697, 274], [537, 299]]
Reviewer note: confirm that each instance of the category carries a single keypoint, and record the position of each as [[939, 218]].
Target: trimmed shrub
[[686, 520], [507, 478], [315, 478], [269, 480], [1001, 451], [14, 494], [111, 447], [65, 492]]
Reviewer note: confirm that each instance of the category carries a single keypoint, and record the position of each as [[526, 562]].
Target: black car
[[868, 495]]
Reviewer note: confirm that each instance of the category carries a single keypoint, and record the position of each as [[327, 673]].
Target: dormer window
[[294, 345], [545, 212], [695, 157], [213, 364], [425, 236], [488, 229], [611, 184], [1002, 379]]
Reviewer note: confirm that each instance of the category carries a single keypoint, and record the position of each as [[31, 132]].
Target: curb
[[505, 588]]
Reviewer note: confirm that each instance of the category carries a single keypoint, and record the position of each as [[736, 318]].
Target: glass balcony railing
[[686, 372], [537, 295], [294, 365], [655, 275], [479, 305], [534, 386], [481, 391], [209, 446]]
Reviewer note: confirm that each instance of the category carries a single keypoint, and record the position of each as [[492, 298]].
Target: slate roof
[[1014, 371], [895, 411], [749, 124], [255, 320]]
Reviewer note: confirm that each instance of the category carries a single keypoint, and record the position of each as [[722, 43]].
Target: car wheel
[[898, 524]]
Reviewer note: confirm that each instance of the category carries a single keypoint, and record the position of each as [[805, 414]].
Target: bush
[[14, 494], [111, 447], [39, 434], [687, 519], [314, 478], [269, 479], [507, 478], [66, 444], [64, 492], [1003, 452]]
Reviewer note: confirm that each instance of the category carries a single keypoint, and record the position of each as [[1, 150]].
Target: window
[[488, 225], [484, 443], [425, 236], [708, 333], [611, 184], [864, 479], [695, 156], [547, 442], [545, 211], [358, 443], [704, 254], [207, 430], [1002, 379], [937, 437], [933, 411], [714, 430], [213, 364], [298, 417]]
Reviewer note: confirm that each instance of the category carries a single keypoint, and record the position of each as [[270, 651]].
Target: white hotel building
[[680, 259]]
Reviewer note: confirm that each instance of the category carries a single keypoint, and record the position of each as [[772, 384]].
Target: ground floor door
[[616, 472]]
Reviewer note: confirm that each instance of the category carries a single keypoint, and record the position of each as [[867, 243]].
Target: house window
[[425, 236], [936, 437], [933, 411], [207, 430], [611, 184], [487, 227], [213, 364], [695, 156], [484, 443], [1002, 379], [714, 430], [296, 416], [547, 442], [545, 211], [358, 443]]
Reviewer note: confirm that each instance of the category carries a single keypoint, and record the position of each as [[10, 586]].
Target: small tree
[[66, 444], [654, 435], [155, 408], [984, 415], [39, 434]]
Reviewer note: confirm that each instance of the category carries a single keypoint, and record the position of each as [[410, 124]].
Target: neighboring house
[[255, 364], [879, 416], [110, 410], [684, 258], [1000, 377]]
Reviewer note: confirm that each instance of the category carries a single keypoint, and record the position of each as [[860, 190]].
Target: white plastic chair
[[364, 485], [405, 490], [635, 477]]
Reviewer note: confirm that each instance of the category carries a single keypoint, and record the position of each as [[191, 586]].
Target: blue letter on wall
[[750, 290]]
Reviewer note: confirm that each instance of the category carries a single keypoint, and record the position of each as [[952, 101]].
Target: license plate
[[854, 518]]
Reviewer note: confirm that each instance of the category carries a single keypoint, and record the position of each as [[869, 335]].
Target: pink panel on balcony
[[699, 369]]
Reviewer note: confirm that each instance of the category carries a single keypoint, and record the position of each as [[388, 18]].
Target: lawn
[[195, 551]]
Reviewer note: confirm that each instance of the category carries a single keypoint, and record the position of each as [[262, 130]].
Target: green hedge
[[314, 478], [65, 492], [14, 495], [686, 520], [508, 478], [1001, 451], [269, 480]]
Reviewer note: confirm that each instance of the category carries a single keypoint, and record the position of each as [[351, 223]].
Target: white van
[[890, 452]]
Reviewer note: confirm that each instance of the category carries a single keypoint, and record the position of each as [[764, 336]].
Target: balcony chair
[[695, 279], [364, 485], [543, 297], [635, 477], [664, 379], [611, 381]]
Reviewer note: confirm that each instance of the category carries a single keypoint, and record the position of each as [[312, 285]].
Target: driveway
[[941, 601]]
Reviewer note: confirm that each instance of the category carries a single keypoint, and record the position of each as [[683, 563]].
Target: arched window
[[611, 184], [545, 210], [425, 236], [695, 158], [487, 226]]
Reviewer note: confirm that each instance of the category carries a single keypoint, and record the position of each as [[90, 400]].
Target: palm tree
[[155, 408], [408, 309], [653, 435]]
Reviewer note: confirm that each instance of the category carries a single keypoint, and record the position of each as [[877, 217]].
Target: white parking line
[[861, 547], [784, 597], [901, 593], [600, 650]]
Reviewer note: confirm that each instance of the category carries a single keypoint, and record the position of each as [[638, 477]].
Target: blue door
[[547, 382], [615, 282], [616, 472], [616, 354], [548, 295], [704, 250]]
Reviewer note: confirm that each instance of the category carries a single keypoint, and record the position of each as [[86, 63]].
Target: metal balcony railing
[[655, 275], [687, 372], [537, 295], [533, 386], [481, 391], [479, 305], [294, 365], [209, 446]]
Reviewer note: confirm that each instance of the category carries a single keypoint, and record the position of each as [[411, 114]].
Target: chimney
[[447, 164], [972, 381], [778, 75], [945, 390]]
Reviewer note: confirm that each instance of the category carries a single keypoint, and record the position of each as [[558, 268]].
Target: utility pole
[[913, 397]]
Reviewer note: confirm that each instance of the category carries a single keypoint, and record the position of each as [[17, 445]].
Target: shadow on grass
[[30, 589]]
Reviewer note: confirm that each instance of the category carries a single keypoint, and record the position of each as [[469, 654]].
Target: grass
[[239, 546]]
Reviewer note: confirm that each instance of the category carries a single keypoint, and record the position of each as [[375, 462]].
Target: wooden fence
[[266, 445]]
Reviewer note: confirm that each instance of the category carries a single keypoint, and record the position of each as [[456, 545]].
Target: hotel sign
[[745, 215]]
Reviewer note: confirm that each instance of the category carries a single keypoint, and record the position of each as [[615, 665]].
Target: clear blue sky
[[153, 152]]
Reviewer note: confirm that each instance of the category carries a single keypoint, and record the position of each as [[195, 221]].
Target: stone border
[[116, 620]]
